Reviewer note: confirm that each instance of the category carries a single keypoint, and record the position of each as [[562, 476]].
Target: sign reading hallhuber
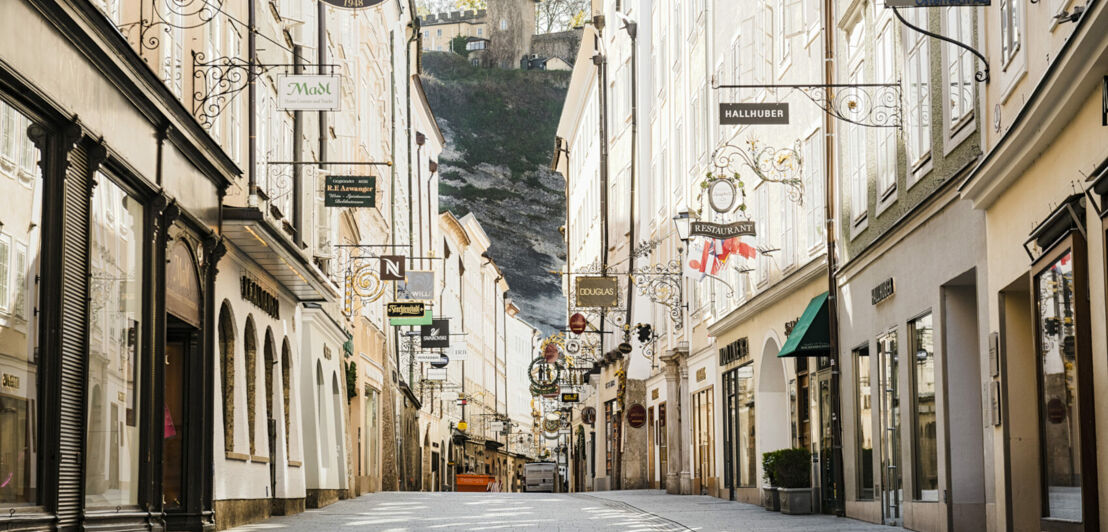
[[936, 3], [722, 231], [405, 310], [350, 191], [732, 114], [597, 292], [435, 335], [417, 285], [308, 92]]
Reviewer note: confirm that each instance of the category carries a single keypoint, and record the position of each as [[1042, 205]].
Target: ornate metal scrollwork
[[661, 283], [868, 105], [981, 75], [216, 83], [773, 165], [168, 16]]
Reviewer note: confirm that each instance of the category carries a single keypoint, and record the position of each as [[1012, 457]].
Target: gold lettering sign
[[701, 374], [597, 292], [182, 284], [11, 381], [654, 393]]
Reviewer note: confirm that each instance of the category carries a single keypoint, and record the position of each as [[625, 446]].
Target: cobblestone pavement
[[643, 510]]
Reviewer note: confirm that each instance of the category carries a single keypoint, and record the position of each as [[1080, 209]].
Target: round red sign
[[577, 323], [550, 352], [636, 416]]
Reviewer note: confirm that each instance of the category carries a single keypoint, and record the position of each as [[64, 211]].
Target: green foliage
[[458, 45], [793, 468], [769, 467], [351, 380]]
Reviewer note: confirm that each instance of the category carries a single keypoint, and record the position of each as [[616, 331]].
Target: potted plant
[[771, 500], [793, 473]]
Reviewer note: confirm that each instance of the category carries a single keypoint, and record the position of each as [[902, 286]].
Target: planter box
[[795, 501], [771, 499]]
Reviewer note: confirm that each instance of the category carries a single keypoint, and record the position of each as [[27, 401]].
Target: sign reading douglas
[[597, 292], [308, 92], [350, 191]]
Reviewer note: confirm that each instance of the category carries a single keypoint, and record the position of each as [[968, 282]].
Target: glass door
[[891, 492], [826, 461]]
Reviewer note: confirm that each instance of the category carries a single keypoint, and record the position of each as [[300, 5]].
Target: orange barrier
[[472, 483]]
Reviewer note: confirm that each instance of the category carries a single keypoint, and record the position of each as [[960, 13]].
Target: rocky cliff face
[[499, 127]]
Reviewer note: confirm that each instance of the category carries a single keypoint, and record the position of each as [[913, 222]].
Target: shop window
[[227, 369], [115, 314], [19, 273], [1058, 367], [864, 419], [703, 428], [608, 407], [925, 437], [739, 439]]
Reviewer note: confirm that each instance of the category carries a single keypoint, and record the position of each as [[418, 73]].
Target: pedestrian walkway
[[636, 511]]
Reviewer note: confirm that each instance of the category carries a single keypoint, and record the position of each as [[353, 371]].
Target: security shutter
[[73, 334]]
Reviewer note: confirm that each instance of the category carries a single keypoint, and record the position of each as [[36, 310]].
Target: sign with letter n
[[392, 268]]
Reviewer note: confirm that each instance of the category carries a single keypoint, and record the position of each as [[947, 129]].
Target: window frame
[[913, 390], [857, 356]]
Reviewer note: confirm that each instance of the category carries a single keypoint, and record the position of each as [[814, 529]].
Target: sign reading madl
[[732, 114], [350, 191], [937, 3], [597, 292], [308, 92]]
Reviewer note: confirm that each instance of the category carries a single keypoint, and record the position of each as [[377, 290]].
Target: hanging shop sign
[[436, 374], [418, 285], [392, 268], [353, 4], [449, 396], [350, 191], [458, 352], [624, 348], [597, 292], [442, 361], [636, 416], [577, 323], [308, 92], [425, 319], [428, 357], [462, 425], [937, 3], [721, 195], [436, 335], [496, 426], [722, 231], [405, 310], [588, 415], [883, 291], [571, 397], [573, 346], [259, 297], [734, 114]]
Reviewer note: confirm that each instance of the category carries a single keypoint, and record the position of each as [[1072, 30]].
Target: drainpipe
[[408, 91], [832, 299], [321, 45], [297, 155], [632, 30], [251, 103]]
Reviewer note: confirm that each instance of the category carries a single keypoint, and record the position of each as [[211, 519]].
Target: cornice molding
[[775, 293]]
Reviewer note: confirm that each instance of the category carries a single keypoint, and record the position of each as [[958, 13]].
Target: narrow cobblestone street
[[611, 510]]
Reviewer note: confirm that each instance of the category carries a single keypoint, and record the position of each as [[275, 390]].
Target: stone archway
[[772, 424]]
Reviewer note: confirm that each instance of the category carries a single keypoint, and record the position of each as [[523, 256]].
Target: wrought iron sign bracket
[[661, 283], [218, 81], [864, 104], [171, 17], [773, 165], [981, 75]]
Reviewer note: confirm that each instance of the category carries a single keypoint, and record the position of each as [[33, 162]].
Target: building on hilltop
[[502, 36]]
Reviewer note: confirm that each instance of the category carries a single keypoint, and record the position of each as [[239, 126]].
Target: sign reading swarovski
[[435, 335], [308, 92]]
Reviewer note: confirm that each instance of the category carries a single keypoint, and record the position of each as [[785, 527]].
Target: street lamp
[[682, 222]]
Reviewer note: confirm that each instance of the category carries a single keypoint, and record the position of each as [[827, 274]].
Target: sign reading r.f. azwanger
[[597, 292]]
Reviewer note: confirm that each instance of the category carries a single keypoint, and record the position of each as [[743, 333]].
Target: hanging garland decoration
[[544, 374]]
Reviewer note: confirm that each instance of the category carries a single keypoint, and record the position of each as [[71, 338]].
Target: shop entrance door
[[891, 493], [826, 459], [180, 350]]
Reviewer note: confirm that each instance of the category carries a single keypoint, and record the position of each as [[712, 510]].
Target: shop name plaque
[[937, 3], [350, 191], [734, 114], [883, 291], [722, 231], [597, 292], [405, 310]]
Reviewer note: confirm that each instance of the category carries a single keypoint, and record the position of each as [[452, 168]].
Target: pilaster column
[[674, 446]]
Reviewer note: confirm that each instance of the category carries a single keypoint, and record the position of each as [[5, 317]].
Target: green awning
[[811, 336]]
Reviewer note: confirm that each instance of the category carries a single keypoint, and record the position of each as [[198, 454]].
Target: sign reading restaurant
[[597, 292], [936, 3], [308, 92], [350, 191], [734, 114], [722, 231]]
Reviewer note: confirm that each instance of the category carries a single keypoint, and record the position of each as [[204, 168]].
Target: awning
[[811, 336]]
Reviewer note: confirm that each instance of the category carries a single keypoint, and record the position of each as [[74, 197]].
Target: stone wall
[[507, 46], [563, 45]]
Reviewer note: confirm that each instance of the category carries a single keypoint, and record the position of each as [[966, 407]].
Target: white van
[[539, 476]]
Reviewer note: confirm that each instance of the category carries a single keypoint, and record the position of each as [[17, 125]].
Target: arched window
[[286, 371], [250, 345], [269, 351], [321, 410], [227, 369]]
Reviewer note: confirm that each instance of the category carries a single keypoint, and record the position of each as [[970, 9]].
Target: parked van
[[540, 476]]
